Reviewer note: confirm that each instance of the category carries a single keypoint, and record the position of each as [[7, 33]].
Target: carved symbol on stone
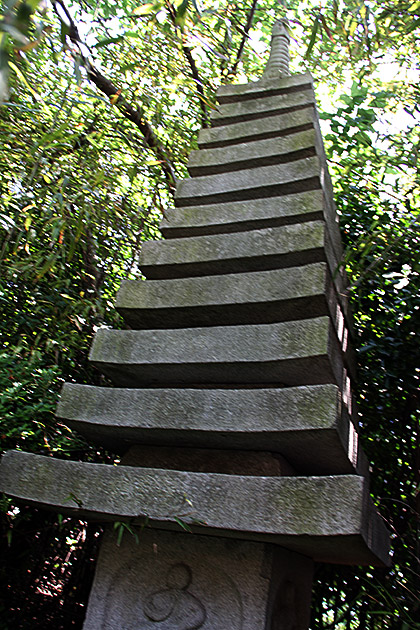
[[175, 603]]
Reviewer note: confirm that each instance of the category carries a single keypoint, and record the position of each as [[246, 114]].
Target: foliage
[[47, 570], [27, 402], [102, 103], [380, 229]]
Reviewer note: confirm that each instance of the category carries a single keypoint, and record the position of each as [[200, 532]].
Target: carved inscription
[[175, 603], [171, 582]]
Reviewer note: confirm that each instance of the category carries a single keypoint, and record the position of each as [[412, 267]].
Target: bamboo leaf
[[48, 265], [312, 39], [184, 526], [109, 40], [181, 14], [147, 9]]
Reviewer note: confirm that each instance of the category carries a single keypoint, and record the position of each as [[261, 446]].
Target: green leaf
[[184, 526], [33, 4], [109, 40], [181, 14], [312, 39], [147, 9], [47, 266], [120, 532], [363, 137], [415, 6], [64, 31]]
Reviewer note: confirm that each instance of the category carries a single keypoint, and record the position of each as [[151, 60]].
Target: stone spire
[[278, 63]]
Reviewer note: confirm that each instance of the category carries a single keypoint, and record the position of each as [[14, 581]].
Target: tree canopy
[[101, 105]]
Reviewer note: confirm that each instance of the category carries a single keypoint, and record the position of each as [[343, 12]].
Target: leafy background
[[102, 103]]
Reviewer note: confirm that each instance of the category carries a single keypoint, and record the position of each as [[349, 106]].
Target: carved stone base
[[181, 581]]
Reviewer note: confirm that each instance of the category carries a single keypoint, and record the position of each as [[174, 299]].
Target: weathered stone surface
[[259, 108], [270, 127], [257, 250], [247, 298], [174, 580], [241, 216], [252, 183], [250, 155], [244, 215], [309, 426], [294, 512], [233, 93], [209, 460], [305, 352]]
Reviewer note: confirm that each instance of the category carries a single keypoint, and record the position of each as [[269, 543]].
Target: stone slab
[[256, 250], [241, 216], [268, 249], [304, 352], [239, 92], [249, 155], [252, 183], [309, 426], [271, 127], [173, 580], [247, 298], [261, 107], [294, 512], [254, 214]]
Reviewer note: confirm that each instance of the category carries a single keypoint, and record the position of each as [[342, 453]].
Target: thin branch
[[135, 115], [248, 25], [194, 70], [198, 84]]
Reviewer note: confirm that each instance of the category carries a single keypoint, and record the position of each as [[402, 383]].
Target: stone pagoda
[[232, 404]]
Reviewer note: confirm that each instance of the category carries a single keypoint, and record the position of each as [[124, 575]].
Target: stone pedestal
[[180, 581]]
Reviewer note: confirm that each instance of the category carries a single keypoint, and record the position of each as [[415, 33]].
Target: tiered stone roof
[[232, 397]]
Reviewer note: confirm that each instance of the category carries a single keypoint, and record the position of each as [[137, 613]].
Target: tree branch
[[198, 84], [135, 115], [248, 25], [194, 70]]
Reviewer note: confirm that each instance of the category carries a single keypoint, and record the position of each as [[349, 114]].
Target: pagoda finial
[[278, 63]]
